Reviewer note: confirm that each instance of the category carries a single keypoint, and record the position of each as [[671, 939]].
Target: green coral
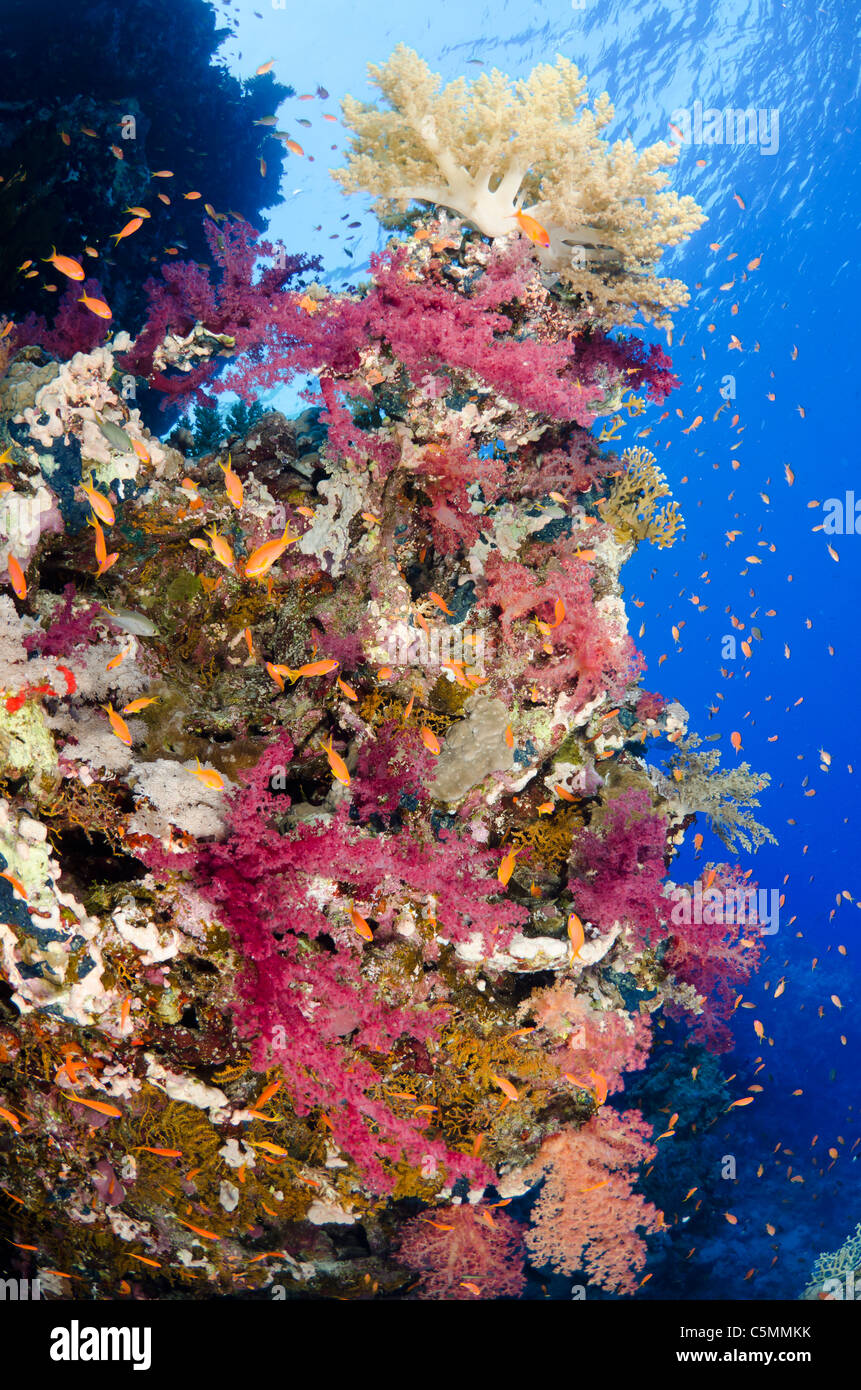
[[723, 796], [27, 747]]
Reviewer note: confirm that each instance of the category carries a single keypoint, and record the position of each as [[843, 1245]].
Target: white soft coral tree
[[490, 148]]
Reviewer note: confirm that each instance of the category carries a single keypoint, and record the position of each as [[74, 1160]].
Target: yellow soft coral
[[490, 148]]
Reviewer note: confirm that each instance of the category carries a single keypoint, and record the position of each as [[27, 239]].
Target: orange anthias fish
[[208, 776], [72, 269], [506, 866], [119, 725], [336, 762], [505, 1087], [440, 602], [430, 740], [735, 740], [532, 228], [100, 504], [232, 483], [265, 556], [136, 706], [100, 1106], [221, 549], [576, 934], [361, 925], [311, 668], [16, 577], [96, 306], [128, 230]]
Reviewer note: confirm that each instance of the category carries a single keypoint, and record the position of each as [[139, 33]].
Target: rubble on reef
[[333, 904]]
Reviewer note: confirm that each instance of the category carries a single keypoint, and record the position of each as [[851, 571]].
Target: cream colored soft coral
[[490, 148]]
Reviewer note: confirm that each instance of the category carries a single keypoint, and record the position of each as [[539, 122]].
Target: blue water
[[796, 321]]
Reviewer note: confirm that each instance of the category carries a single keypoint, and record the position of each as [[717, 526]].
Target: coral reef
[[334, 870]]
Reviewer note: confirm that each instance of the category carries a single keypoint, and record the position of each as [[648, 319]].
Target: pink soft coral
[[619, 873], [587, 1214], [605, 1041], [454, 1246], [587, 647]]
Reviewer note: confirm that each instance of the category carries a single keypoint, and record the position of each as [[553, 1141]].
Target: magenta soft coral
[[618, 874], [716, 956], [75, 328], [235, 304], [453, 1247], [587, 647], [305, 1002], [587, 1215]]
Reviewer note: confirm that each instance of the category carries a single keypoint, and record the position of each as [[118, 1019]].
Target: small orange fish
[[361, 925], [7, 1115], [139, 212], [440, 602], [312, 668], [576, 934], [162, 1153], [733, 1220], [270, 1148], [100, 504], [207, 1235], [135, 706], [506, 866], [192, 196], [208, 776], [346, 689], [744, 1100], [100, 1106], [162, 174], [221, 549], [232, 483], [336, 762], [144, 1260], [735, 740], [264, 67], [265, 556], [119, 725], [473, 1288], [505, 1087], [430, 740], [72, 269], [509, 736], [275, 673], [128, 230], [16, 576], [294, 147], [101, 547], [266, 1094], [96, 306], [106, 563], [532, 228]]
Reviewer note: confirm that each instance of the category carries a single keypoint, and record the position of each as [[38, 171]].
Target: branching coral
[[632, 505]]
